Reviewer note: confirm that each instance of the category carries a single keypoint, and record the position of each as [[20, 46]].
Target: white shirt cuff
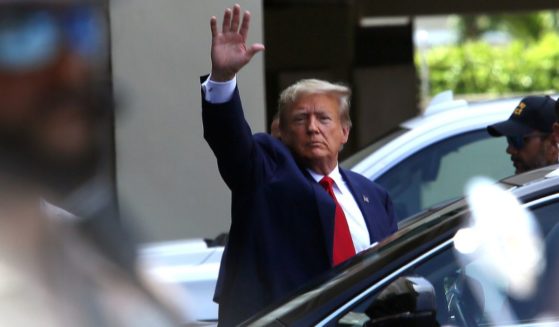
[[218, 92]]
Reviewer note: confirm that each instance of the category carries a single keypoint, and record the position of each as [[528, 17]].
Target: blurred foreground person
[[55, 109], [61, 268], [529, 133]]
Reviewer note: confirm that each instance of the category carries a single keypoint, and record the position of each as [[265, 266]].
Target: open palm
[[229, 51]]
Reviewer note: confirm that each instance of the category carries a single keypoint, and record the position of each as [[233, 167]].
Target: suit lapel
[[326, 210], [363, 200]]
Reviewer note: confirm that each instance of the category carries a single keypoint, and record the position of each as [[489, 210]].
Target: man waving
[[295, 212]]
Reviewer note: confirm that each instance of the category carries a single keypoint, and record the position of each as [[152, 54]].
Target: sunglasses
[[32, 37], [519, 141]]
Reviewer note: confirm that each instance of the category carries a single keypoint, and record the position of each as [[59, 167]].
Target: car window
[[439, 172], [464, 294]]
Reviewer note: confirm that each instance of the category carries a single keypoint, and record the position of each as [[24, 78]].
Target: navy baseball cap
[[533, 113]]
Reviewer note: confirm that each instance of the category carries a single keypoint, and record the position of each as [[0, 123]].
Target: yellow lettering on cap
[[520, 108]]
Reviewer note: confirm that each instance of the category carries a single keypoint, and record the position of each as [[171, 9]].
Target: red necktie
[[343, 244]]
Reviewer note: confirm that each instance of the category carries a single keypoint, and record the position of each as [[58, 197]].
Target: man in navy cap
[[529, 133]]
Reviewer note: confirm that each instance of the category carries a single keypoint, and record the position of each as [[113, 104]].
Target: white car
[[429, 158], [192, 265], [426, 161]]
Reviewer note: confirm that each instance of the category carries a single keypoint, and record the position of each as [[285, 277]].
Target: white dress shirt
[[218, 92], [354, 216]]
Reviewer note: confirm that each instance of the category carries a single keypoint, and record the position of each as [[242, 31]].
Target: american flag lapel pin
[[365, 198]]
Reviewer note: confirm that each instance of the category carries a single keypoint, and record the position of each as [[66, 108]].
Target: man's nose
[[511, 149], [312, 125]]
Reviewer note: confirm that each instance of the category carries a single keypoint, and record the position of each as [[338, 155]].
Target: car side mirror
[[407, 301]]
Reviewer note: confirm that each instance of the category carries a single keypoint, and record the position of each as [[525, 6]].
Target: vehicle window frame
[[343, 310]]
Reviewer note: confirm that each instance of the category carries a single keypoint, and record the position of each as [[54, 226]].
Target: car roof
[[531, 177], [441, 120], [461, 109], [427, 129], [534, 184]]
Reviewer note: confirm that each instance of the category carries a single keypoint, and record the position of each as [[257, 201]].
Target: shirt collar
[[334, 174]]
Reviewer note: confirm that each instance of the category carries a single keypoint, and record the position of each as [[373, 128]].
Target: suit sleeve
[[241, 163]]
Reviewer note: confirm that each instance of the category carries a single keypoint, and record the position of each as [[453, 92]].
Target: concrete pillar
[[166, 174]]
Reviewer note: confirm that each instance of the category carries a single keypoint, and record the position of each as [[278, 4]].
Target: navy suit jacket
[[282, 220]]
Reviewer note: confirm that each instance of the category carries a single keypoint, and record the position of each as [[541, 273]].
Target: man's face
[[314, 130], [18, 100], [47, 51], [50, 60], [534, 151]]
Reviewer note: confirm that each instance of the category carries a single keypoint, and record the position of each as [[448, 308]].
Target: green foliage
[[524, 26], [477, 67]]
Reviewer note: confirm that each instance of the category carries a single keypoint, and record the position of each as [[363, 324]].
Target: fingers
[[226, 25], [245, 25], [254, 49], [232, 19], [213, 26], [236, 18]]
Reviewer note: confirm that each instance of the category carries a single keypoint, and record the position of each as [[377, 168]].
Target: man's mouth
[[314, 144], [517, 164]]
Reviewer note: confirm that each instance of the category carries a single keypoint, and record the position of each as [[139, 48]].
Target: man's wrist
[[221, 77], [219, 92]]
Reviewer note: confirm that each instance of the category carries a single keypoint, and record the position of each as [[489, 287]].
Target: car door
[[464, 295]]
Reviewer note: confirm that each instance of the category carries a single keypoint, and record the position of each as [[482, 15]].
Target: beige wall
[[166, 173]]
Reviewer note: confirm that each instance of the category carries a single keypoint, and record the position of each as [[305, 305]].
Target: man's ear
[[555, 132], [345, 131], [552, 151]]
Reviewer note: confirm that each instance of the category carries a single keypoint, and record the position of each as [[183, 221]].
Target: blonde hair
[[315, 86]]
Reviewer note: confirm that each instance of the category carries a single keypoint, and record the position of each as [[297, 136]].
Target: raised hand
[[229, 51]]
